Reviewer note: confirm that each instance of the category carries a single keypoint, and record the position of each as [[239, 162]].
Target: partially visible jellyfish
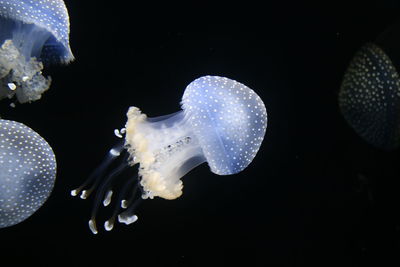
[[32, 32], [27, 172], [369, 97], [222, 122]]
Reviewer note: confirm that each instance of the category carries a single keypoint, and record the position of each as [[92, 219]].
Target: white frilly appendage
[[20, 77], [21, 45], [165, 149]]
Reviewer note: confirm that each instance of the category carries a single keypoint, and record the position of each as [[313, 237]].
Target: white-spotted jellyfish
[[369, 98], [222, 122], [27, 172], [32, 32]]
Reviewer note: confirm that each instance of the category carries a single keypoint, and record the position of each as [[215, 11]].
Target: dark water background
[[315, 193]]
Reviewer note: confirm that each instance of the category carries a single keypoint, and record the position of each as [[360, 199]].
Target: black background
[[314, 194]]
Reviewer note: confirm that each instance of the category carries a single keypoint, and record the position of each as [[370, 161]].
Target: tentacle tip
[[126, 219], [74, 192], [109, 225], [12, 86], [114, 152], [92, 226], [117, 133], [84, 194], [107, 199]]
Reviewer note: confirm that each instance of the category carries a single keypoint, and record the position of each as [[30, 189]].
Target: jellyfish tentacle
[[125, 203], [130, 185], [109, 224], [96, 175], [92, 226], [128, 216], [107, 198], [102, 190], [120, 133]]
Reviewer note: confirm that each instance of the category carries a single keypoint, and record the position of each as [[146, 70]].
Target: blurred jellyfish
[[222, 122], [32, 32], [27, 172], [369, 98]]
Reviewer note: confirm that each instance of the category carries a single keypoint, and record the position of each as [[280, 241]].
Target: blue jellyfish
[[369, 97], [31, 32], [222, 122], [27, 172]]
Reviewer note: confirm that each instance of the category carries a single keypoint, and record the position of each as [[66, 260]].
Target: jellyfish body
[[222, 122], [31, 32], [27, 172], [369, 98]]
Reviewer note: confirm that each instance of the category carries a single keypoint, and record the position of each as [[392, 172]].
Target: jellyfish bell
[[27, 172], [31, 33], [222, 122], [369, 97]]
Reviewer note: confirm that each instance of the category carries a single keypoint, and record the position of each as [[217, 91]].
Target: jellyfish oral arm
[[25, 78], [166, 149], [19, 60]]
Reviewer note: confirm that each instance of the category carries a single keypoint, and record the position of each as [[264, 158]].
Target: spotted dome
[[27, 172], [369, 97], [229, 120]]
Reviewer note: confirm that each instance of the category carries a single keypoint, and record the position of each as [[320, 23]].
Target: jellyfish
[[27, 172], [32, 33], [369, 97], [222, 122]]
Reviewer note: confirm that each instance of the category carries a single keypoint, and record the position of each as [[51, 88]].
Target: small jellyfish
[[27, 172], [32, 32], [369, 97], [222, 122]]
